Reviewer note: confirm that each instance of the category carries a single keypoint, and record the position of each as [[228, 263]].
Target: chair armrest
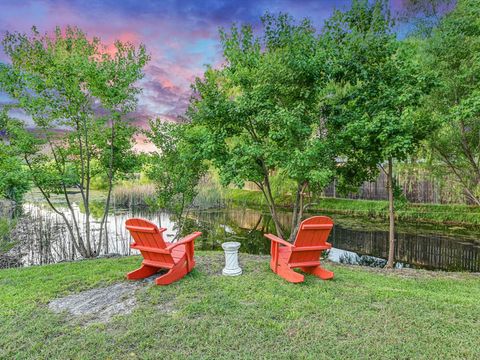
[[185, 240], [278, 240]]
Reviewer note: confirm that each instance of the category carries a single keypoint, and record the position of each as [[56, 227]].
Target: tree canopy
[[261, 110], [14, 177], [176, 167], [452, 57], [77, 95], [377, 88]]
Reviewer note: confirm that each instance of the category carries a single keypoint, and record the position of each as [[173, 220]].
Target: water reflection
[[360, 245], [45, 239]]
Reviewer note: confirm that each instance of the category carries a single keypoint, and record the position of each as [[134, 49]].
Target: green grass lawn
[[362, 313], [463, 215]]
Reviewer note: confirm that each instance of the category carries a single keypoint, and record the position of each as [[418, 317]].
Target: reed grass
[[133, 194]]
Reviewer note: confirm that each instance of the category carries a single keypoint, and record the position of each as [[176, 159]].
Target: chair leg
[[190, 256], [318, 271], [289, 275], [191, 265], [273, 266], [174, 274], [143, 272]]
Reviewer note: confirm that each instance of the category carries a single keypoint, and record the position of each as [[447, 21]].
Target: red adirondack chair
[[304, 253], [159, 254]]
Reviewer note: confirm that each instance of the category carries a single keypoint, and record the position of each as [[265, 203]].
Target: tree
[[376, 90], [14, 178], [176, 167], [452, 56], [77, 95], [424, 15], [260, 111]]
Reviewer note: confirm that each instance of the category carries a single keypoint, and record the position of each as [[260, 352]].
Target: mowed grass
[[360, 314]]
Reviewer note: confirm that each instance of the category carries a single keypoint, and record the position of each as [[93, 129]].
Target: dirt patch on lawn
[[98, 305]]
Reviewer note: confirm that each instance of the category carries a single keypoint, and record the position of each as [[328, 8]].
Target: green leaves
[[177, 167], [77, 95], [452, 57], [378, 90], [263, 105], [262, 110], [14, 179]]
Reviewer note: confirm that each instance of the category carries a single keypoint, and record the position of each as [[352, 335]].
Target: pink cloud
[[181, 36]]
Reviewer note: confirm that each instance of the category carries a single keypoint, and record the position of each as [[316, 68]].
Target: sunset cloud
[[181, 36]]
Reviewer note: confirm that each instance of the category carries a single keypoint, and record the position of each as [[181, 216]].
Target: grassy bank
[[362, 313], [462, 215]]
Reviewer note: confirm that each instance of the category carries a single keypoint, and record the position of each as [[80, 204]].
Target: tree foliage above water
[[377, 90], [14, 177], [377, 87], [452, 56], [176, 167], [77, 95], [261, 110]]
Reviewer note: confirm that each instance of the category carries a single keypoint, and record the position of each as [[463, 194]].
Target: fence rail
[[417, 189]]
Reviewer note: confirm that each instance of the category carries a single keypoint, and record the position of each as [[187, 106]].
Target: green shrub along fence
[[417, 188]]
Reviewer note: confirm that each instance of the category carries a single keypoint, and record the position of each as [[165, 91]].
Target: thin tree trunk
[[269, 195], [256, 225], [180, 220], [273, 211], [84, 174], [295, 208], [391, 216], [298, 211], [77, 244], [86, 252], [110, 187], [470, 192], [88, 230], [88, 234], [103, 222]]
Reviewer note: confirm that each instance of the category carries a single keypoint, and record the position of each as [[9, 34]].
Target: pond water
[[44, 239]]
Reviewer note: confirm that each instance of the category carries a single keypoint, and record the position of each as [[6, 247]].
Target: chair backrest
[[313, 231], [147, 235]]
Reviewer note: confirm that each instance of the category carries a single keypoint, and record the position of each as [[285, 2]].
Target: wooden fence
[[417, 189]]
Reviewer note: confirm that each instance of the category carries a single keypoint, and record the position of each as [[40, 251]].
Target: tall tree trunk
[[110, 187], [391, 216], [84, 174]]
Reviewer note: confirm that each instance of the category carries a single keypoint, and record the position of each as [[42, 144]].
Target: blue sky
[[181, 36]]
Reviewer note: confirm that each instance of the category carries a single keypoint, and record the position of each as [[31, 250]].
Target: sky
[[181, 36]]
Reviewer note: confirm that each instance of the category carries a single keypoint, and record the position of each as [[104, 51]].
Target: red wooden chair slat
[[159, 254], [149, 249], [304, 253], [144, 229]]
